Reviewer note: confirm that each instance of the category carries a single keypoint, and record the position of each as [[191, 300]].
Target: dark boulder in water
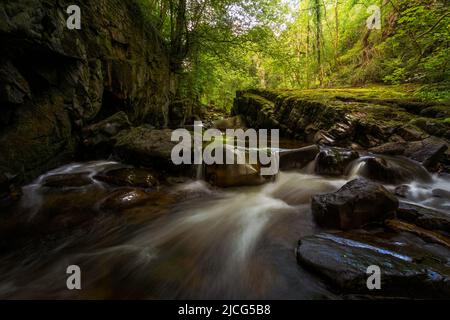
[[298, 158], [334, 161], [441, 193], [429, 152], [424, 217], [146, 147], [412, 269], [358, 203], [74, 180], [403, 191], [236, 175], [394, 170], [125, 199], [132, 177]]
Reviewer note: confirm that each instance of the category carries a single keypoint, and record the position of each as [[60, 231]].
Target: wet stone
[[132, 177], [360, 202], [75, 180], [120, 200], [408, 267]]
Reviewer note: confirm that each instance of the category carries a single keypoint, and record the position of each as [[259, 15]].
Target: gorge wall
[[55, 81]]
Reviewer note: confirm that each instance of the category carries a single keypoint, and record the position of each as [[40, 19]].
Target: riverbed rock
[[358, 203], [427, 151], [409, 268], [74, 180], [394, 170], [132, 177], [411, 134], [441, 193], [298, 158], [390, 148], [427, 235], [124, 199], [334, 161], [235, 175], [146, 147], [403, 191], [97, 137], [424, 217]]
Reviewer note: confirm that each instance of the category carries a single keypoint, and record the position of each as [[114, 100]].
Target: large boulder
[[238, 174], [409, 268], [394, 170], [427, 235], [358, 203], [146, 147], [334, 161], [298, 158]]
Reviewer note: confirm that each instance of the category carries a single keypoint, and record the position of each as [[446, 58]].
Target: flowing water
[[198, 242]]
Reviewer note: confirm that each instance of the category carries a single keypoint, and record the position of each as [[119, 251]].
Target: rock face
[[327, 118], [407, 270], [356, 204], [55, 81]]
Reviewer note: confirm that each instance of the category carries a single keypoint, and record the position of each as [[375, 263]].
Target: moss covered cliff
[[55, 81]]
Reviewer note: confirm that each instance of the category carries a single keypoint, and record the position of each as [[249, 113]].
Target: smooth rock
[[120, 200], [334, 161], [408, 268], [298, 158], [427, 235], [358, 203], [427, 151], [441, 193], [394, 170], [403, 191], [132, 177], [75, 180], [236, 175], [146, 147]]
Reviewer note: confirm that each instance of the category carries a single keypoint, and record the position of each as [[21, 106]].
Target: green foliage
[[236, 44]]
